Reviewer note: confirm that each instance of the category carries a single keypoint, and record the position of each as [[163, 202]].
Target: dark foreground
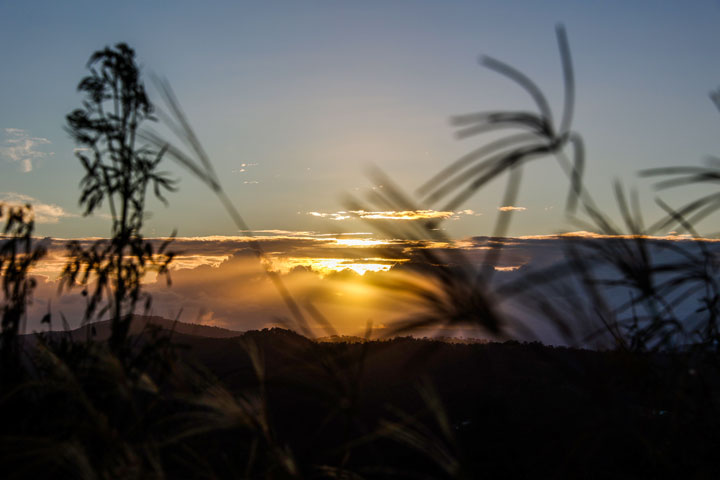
[[273, 404]]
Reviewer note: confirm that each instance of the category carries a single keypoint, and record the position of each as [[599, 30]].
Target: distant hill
[[461, 340], [513, 410], [517, 409], [341, 339], [101, 330], [357, 339]]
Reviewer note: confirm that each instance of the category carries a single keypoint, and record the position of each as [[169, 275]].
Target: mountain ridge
[[100, 330]]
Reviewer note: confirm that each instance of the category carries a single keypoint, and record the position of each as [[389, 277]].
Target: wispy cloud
[[392, 214], [510, 208], [44, 212], [672, 236], [404, 215], [342, 215], [20, 147]]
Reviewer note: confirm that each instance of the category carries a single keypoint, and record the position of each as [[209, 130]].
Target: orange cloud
[[219, 280], [404, 215], [509, 268], [426, 214], [672, 236]]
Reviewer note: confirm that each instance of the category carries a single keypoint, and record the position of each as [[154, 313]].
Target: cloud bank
[[353, 279], [402, 215]]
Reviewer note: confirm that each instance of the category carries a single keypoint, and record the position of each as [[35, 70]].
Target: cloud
[[342, 215], [20, 147], [393, 215], [583, 234], [219, 280], [508, 268], [510, 208], [361, 252], [404, 215], [44, 212]]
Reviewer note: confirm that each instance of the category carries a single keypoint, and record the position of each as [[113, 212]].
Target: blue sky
[[307, 94]]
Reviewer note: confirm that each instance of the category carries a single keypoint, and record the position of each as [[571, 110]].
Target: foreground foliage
[[273, 404]]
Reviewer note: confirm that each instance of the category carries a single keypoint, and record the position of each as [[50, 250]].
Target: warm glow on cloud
[[509, 268], [194, 261], [404, 215], [342, 215], [326, 266], [392, 214], [592, 235], [327, 253], [219, 280]]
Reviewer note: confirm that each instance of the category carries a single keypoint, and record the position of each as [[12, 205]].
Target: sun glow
[[326, 266]]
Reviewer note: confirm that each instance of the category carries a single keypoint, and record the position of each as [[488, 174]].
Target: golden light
[[359, 242], [326, 266], [403, 215], [509, 268]]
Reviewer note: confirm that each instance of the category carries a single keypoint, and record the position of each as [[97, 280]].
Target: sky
[[308, 95], [297, 101]]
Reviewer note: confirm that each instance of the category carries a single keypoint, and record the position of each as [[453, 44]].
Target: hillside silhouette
[[512, 409], [102, 330]]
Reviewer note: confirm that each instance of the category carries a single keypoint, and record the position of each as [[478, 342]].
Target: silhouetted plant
[[17, 257], [342, 368], [540, 137], [196, 160], [436, 439], [683, 218], [118, 171], [452, 292], [461, 294], [659, 277]]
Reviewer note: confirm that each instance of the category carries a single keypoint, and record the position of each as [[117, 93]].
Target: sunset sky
[[295, 100], [307, 94]]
